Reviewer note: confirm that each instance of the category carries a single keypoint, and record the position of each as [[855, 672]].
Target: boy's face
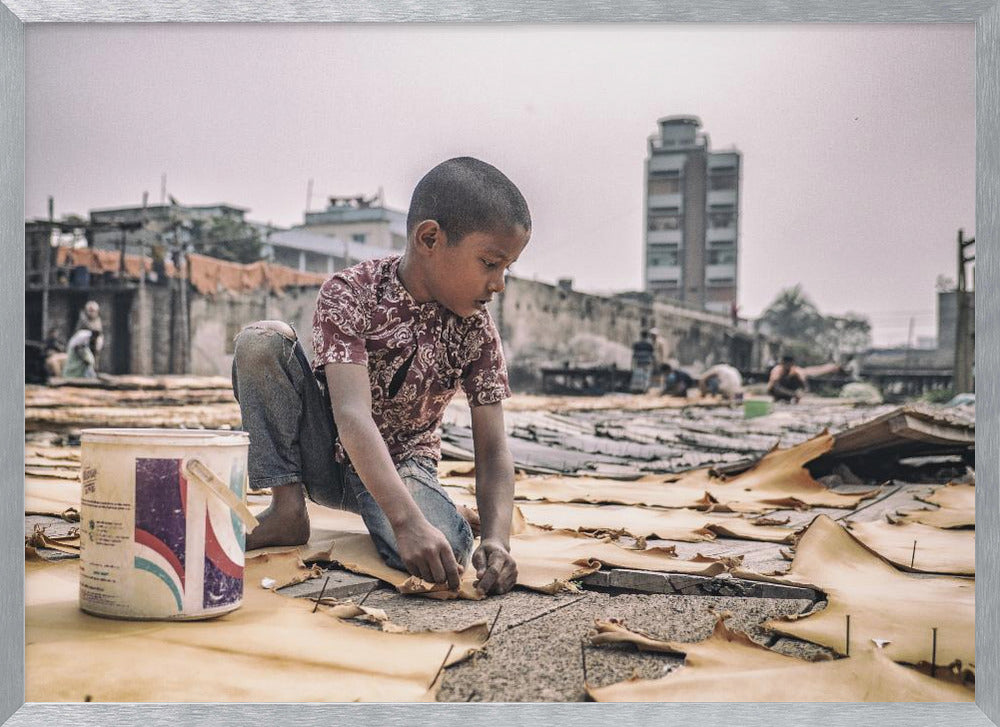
[[465, 276]]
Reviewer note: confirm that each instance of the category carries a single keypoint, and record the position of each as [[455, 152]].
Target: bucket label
[[224, 541], [160, 523], [154, 543]]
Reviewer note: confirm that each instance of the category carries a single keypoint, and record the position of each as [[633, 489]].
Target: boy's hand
[[426, 552], [495, 568]]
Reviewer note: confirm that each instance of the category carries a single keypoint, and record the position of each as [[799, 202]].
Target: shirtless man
[[787, 381]]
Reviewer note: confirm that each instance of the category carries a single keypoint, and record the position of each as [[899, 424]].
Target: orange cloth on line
[[209, 275]]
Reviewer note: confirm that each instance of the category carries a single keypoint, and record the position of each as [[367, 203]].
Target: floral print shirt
[[417, 354]]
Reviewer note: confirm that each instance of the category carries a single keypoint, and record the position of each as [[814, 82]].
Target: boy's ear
[[429, 236]]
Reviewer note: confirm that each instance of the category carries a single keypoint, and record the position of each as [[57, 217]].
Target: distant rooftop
[[302, 239], [162, 210], [356, 209], [679, 119]]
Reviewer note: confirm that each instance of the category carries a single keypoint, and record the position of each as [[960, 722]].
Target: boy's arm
[[495, 568], [423, 548]]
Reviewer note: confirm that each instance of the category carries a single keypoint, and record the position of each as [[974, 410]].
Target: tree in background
[[796, 320], [847, 334], [792, 315], [227, 238]]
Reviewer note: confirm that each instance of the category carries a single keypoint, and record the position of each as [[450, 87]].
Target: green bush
[[938, 396]]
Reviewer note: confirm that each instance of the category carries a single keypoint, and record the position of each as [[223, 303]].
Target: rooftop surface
[[539, 647]]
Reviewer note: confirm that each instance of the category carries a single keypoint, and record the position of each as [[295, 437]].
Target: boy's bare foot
[[284, 522]]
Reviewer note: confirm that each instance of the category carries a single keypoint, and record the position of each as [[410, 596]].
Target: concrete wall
[[216, 320], [540, 324], [543, 325], [948, 318]]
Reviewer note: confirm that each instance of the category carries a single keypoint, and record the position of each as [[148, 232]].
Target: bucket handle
[[200, 473]]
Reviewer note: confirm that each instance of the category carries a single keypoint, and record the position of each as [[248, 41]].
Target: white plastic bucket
[[162, 522]]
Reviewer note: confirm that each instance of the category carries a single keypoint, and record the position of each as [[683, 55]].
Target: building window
[[721, 257], [359, 237], [721, 219], [315, 262], [664, 222], [665, 186], [722, 181], [665, 258]]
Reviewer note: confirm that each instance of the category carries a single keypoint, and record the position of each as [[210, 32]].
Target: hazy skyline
[[858, 142]]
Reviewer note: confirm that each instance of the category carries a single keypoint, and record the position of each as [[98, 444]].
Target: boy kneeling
[[393, 340]]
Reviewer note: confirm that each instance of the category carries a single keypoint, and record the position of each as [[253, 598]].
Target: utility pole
[[184, 269], [309, 195], [962, 378], [46, 267], [909, 343], [142, 348], [123, 241]]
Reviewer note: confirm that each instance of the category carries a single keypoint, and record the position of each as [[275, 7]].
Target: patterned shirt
[[417, 354]]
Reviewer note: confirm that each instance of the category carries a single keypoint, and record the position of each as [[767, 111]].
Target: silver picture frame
[[984, 14]]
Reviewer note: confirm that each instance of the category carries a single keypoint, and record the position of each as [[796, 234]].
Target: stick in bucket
[[201, 474]]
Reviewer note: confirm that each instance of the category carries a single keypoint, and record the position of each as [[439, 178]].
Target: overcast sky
[[858, 142]]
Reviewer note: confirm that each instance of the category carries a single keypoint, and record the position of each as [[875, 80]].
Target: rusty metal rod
[[325, 583], [362, 601], [493, 625], [441, 668]]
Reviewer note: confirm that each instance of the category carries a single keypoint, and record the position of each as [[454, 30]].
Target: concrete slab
[[542, 660], [425, 614], [341, 584]]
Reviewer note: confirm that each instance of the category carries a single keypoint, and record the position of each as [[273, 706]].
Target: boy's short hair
[[787, 358], [466, 195]]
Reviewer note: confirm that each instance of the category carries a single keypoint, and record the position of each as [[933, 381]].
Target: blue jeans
[[287, 413]]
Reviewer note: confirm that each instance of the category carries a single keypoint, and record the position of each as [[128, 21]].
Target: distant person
[[81, 355], [661, 349], [722, 380], [676, 381], [787, 381], [55, 353], [90, 320], [642, 364], [851, 369]]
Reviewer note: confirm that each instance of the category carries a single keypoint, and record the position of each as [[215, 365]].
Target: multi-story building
[[312, 253], [692, 217], [361, 220]]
